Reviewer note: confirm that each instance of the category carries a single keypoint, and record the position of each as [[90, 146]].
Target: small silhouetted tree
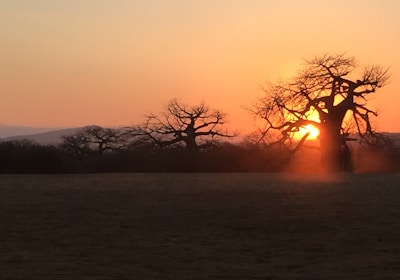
[[195, 127], [333, 88], [94, 140]]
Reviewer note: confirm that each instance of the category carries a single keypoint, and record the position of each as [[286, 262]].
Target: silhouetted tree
[[194, 126], [333, 88], [95, 140]]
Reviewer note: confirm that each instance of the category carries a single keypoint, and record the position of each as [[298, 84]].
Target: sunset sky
[[70, 63]]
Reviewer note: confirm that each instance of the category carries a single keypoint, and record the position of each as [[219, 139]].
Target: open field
[[199, 226]]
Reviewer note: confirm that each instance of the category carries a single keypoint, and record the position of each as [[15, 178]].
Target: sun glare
[[312, 130]]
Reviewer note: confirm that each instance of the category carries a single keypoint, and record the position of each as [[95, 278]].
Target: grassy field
[[199, 226]]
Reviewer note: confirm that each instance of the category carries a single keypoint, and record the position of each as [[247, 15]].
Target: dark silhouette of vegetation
[[93, 140], [28, 157], [196, 127], [194, 138], [334, 89]]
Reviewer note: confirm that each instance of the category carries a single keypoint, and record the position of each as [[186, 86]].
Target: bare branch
[[190, 125], [325, 87]]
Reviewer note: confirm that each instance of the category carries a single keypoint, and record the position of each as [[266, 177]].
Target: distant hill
[[52, 137], [15, 130]]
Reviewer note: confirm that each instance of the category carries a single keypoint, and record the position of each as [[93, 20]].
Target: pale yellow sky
[[73, 62]]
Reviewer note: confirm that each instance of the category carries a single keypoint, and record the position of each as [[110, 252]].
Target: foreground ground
[[199, 226]]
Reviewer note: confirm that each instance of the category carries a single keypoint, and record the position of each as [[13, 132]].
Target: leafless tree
[[95, 140], [194, 126], [335, 89]]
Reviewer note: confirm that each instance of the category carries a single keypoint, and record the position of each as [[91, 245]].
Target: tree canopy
[[195, 126], [331, 93], [96, 140]]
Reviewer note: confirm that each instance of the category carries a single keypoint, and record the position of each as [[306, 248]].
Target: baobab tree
[[96, 140], [330, 93], [195, 127]]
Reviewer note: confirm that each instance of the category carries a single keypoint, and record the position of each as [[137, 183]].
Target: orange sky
[[72, 62]]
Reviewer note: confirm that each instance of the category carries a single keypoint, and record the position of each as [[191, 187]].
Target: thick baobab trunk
[[191, 154], [191, 145], [331, 142]]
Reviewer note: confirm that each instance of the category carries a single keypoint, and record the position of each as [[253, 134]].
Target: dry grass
[[199, 226]]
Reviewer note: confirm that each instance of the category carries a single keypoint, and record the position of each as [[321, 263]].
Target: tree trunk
[[192, 152], [191, 145], [331, 142]]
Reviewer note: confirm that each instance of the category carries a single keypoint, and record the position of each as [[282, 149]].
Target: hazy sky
[[79, 62]]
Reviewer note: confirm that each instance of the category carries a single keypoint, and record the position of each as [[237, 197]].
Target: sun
[[311, 129], [314, 131]]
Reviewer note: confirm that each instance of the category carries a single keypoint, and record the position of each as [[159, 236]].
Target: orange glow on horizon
[[77, 63]]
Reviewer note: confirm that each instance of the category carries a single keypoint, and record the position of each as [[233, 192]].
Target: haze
[[72, 62]]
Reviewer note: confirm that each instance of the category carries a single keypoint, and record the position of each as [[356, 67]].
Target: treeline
[[182, 139], [28, 157]]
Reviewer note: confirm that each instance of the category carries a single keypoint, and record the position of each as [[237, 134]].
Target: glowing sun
[[312, 130]]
